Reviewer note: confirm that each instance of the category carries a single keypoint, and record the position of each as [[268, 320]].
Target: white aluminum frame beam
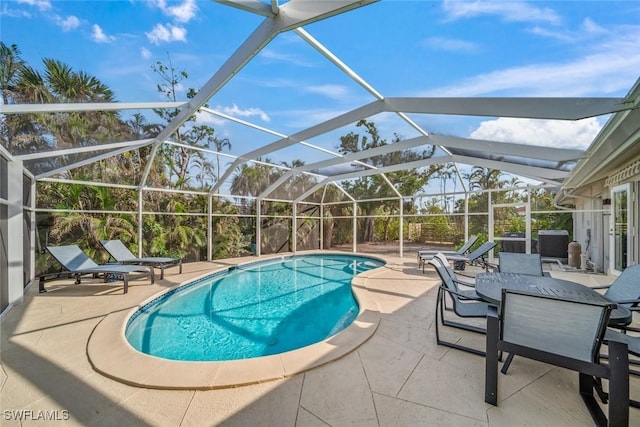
[[85, 106], [552, 176], [253, 6], [508, 148], [95, 184], [530, 108], [89, 160], [92, 148]]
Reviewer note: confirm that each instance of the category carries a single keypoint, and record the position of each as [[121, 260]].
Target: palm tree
[[445, 172], [220, 144], [16, 130], [252, 180], [59, 83], [407, 181], [141, 129], [243, 182], [84, 229], [484, 179], [513, 194], [10, 66]]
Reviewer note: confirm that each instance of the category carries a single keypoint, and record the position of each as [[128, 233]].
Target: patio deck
[[399, 377]]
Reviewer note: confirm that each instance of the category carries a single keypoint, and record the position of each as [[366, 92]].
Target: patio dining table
[[489, 287]]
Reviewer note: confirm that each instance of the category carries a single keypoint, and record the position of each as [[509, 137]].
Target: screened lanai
[[189, 176]]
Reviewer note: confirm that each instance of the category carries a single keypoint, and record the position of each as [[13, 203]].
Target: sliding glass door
[[619, 247]]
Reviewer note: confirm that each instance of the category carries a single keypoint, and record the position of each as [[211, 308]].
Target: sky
[[401, 48]]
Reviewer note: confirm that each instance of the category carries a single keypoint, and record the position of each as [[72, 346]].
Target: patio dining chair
[[444, 261], [563, 333], [514, 262], [122, 255], [78, 264], [633, 345], [625, 291], [465, 304]]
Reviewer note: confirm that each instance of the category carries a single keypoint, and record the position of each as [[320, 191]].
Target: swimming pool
[[259, 309]]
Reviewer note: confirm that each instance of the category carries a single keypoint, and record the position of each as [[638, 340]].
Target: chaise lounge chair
[[425, 255], [78, 264], [121, 254], [478, 256]]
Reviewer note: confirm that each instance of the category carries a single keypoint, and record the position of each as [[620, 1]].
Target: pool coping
[[111, 355]]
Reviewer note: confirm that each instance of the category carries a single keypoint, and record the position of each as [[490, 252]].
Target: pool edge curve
[[111, 355]]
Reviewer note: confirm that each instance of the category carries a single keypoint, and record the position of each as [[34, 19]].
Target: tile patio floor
[[399, 377]]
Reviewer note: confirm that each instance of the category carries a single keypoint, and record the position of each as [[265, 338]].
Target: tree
[[178, 158], [16, 130], [177, 235], [374, 187], [484, 179], [250, 180], [11, 65], [220, 145]]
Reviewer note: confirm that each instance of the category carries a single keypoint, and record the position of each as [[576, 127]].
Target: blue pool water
[[263, 308]]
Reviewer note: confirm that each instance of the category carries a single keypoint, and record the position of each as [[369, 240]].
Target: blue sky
[[401, 48]]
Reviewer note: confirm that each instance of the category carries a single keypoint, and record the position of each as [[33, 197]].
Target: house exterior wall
[[589, 229], [593, 223], [628, 174]]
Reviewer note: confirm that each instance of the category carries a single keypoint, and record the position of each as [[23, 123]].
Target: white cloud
[[204, 117], [560, 35], [610, 68], [514, 11], [40, 4], [14, 12], [145, 53], [183, 12], [588, 30], [330, 91], [591, 27], [67, 24], [234, 110], [248, 112], [99, 36], [449, 44], [547, 133], [170, 33]]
